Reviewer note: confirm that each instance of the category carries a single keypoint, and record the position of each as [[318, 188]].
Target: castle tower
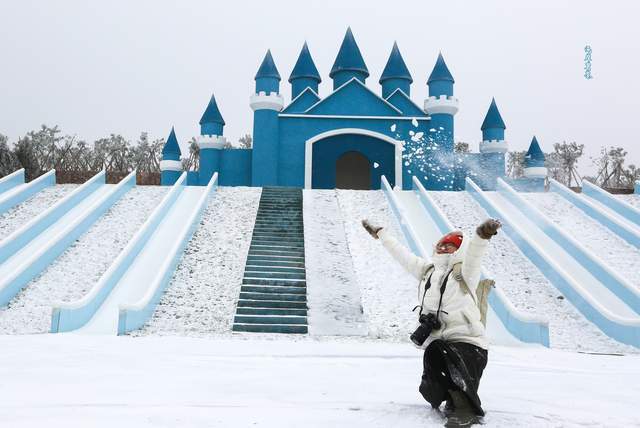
[[170, 165], [348, 63], [441, 104], [493, 146], [396, 74], [266, 103], [534, 162], [211, 141], [304, 74]]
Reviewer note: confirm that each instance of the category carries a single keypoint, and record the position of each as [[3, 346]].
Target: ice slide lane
[[610, 203], [423, 223], [29, 250], [13, 189], [609, 218], [586, 290], [126, 295]]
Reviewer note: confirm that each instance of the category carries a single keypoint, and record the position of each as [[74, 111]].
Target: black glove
[[372, 229], [489, 228]]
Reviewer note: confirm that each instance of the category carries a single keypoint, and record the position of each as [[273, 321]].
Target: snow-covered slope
[[202, 295], [633, 199], [11, 220], [525, 285], [619, 255], [78, 268]]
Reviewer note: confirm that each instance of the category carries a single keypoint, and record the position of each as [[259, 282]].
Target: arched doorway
[[353, 171]]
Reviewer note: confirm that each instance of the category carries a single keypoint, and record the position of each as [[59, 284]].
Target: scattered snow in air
[[376, 164], [433, 130], [412, 133], [393, 128], [72, 274], [417, 137], [414, 122]]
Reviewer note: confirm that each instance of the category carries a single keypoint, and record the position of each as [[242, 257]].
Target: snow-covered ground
[[201, 298], [333, 292], [27, 210], [614, 251], [105, 382], [71, 275], [388, 292], [632, 199], [525, 285]]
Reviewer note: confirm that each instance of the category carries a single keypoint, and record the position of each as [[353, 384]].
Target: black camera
[[428, 323]]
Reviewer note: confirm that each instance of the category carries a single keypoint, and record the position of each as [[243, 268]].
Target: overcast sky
[[116, 66]]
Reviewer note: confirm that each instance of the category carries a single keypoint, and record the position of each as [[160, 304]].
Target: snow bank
[[107, 382], [388, 292], [201, 298], [525, 285], [333, 292], [630, 199], [25, 211], [81, 265], [614, 251]]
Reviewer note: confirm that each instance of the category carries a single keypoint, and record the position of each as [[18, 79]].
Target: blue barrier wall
[[235, 167], [12, 180], [9, 200], [627, 211]]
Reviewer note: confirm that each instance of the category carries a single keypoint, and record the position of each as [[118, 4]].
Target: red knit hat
[[454, 238]]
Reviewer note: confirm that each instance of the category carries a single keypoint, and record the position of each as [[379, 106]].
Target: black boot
[[463, 414]]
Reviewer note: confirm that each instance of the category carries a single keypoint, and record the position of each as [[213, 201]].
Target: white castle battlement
[[493, 146], [211, 141], [270, 101], [444, 104], [535, 172], [170, 165]]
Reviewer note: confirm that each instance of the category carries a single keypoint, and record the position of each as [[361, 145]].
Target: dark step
[[287, 320], [271, 304], [277, 236], [273, 290], [254, 252], [271, 328], [301, 298], [286, 282], [276, 245], [271, 311], [250, 267], [271, 262], [263, 273]]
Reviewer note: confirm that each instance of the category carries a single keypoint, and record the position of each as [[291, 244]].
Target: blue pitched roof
[[403, 103], [493, 118], [440, 71], [535, 152], [349, 57], [171, 146], [268, 68], [305, 66], [302, 102], [354, 98], [396, 67], [212, 113]]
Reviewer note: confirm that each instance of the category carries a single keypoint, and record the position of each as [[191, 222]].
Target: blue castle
[[353, 136]]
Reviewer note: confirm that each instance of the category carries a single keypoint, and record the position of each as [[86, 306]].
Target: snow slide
[[13, 189], [610, 203], [29, 250], [126, 295], [609, 218], [591, 287], [423, 224]]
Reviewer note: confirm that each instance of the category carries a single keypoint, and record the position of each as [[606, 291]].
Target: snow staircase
[[273, 296]]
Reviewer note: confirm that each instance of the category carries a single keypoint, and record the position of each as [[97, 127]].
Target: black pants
[[453, 366]]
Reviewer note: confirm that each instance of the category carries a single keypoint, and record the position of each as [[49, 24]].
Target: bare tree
[[515, 164], [461, 147], [192, 163], [566, 158], [246, 141], [611, 171], [8, 160]]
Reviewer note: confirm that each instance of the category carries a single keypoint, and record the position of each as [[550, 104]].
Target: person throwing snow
[[452, 312]]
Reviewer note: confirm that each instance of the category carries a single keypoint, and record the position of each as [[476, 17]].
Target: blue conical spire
[[171, 149], [305, 67], [396, 67], [349, 60], [267, 68], [493, 119], [212, 113], [440, 71], [534, 156]]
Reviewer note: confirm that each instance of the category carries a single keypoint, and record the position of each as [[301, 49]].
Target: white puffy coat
[[459, 314]]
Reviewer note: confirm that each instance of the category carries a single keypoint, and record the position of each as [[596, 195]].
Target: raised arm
[[472, 262], [413, 264]]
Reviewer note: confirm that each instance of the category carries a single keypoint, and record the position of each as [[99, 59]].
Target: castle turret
[[441, 104], [493, 146], [396, 74], [304, 74], [349, 62], [170, 165], [266, 103], [534, 162], [211, 141]]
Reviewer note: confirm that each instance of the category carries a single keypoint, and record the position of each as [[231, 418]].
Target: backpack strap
[[457, 275]]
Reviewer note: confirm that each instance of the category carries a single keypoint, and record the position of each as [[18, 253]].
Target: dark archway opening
[[353, 172]]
